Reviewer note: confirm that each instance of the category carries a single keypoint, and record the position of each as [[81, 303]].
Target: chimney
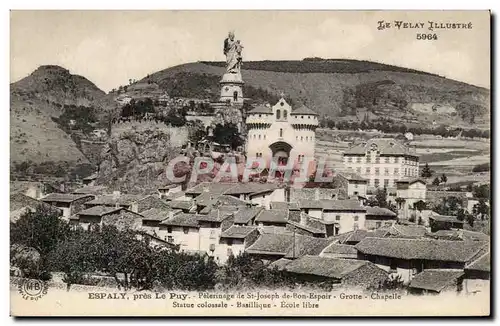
[[316, 193]]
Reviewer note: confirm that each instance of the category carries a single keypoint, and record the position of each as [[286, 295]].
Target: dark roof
[[324, 266], [158, 214], [386, 146], [424, 249], [305, 245], [181, 204], [111, 200], [340, 249], [280, 264], [246, 214], [90, 190], [353, 176], [262, 109], [182, 219], [272, 244], [238, 232], [379, 211], [444, 218], [333, 205], [63, 198], [218, 214], [206, 199], [481, 264], [20, 200], [303, 110], [272, 215], [436, 279], [99, 211]]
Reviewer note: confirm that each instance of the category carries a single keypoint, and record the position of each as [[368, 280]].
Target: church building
[[280, 132]]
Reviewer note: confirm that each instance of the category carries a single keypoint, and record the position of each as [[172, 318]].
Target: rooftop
[[422, 249], [238, 232], [99, 211], [303, 110], [272, 216], [158, 214], [218, 214], [385, 146], [64, 198], [340, 249], [181, 204], [111, 199], [182, 219], [351, 176], [261, 109], [90, 190], [379, 211], [436, 279], [482, 264], [444, 218], [324, 266]]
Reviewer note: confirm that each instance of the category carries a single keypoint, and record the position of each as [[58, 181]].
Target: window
[[213, 225], [309, 117], [406, 171], [378, 224], [169, 229], [212, 247], [229, 251], [386, 160], [396, 171], [386, 183], [212, 234], [302, 117], [296, 137], [259, 136], [356, 218], [377, 160], [278, 114], [281, 132], [377, 171], [170, 239], [337, 218], [377, 182], [386, 171], [358, 159], [235, 96], [349, 159], [285, 114], [260, 115], [368, 158], [367, 170], [229, 242], [185, 230]]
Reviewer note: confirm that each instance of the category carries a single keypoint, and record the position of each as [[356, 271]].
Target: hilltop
[[350, 89], [36, 103]]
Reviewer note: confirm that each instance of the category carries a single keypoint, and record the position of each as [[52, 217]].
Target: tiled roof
[[246, 214], [324, 266], [99, 211], [424, 249], [111, 200], [238, 232], [215, 188], [386, 146], [90, 190], [305, 245], [181, 204], [206, 199], [333, 205], [482, 264], [182, 219], [277, 244], [303, 110], [436, 279], [459, 235], [408, 231], [261, 109], [251, 188], [63, 198], [158, 214], [19, 200], [218, 214], [379, 211], [272, 215], [341, 249]]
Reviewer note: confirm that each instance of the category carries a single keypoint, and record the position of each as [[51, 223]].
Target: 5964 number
[[427, 37]]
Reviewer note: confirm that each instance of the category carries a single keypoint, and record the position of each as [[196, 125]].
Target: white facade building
[[281, 133], [382, 161]]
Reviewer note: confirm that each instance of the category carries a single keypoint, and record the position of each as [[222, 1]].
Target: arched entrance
[[281, 154]]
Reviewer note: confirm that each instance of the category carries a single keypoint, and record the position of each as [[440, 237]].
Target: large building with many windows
[[382, 161]]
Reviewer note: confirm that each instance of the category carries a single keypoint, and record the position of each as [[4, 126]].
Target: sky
[[111, 47]]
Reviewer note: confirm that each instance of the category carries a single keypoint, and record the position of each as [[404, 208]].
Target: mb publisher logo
[[32, 289]]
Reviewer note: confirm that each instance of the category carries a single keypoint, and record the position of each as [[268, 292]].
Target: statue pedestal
[[231, 88]]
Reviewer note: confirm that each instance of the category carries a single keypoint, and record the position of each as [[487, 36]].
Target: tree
[[444, 178], [228, 134], [436, 181], [420, 205], [448, 206], [481, 209], [426, 171], [482, 191]]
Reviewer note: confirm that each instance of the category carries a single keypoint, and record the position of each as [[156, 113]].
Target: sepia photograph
[[250, 163]]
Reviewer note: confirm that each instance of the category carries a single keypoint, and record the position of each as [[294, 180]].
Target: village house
[[69, 203], [181, 229], [352, 184], [409, 191], [382, 161], [408, 257], [477, 274], [339, 216], [442, 222], [336, 250], [116, 216], [272, 217], [211, 225], [245, 216], [344, 272], [151, 218], [377, 217], [234, 241], [435, 281]]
